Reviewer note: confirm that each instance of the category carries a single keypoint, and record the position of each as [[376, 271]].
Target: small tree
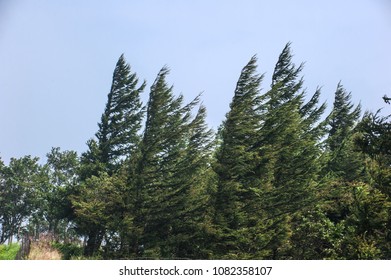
[[19, 183]]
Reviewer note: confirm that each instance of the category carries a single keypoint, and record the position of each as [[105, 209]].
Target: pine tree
[[118, 133], [97, 207], [191, 217], [237, 215], [342, 118], [374, 139], [158, 187], [343, 161], [288, 149], [311, 116], [117, 137]]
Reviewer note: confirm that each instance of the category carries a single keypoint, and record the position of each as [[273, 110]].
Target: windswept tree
[[119, 128], [289, 151], [161, 189], [190, 234], [120, 124], [116, 139], [344, 161], [237, 202]]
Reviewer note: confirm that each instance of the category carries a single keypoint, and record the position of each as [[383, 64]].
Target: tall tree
[[158, 185], [118, 133], [342, 119], [238, 188], [191, 202], [374, 140], [117, 137], [288, 148]]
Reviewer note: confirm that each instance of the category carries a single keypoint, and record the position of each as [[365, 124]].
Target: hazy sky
[[57, 57]]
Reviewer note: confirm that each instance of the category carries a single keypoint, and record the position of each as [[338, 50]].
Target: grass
[[8, 252], [43, 250]]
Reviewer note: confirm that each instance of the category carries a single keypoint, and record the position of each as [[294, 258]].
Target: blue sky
[[57, 57]]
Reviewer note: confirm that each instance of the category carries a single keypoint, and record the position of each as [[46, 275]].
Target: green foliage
[[97, 206], [60, 179], [117, 140], [315, 236], [342, 119], [9, 252], [121, 120], [68, 250], [373, 139], [277, 181], [237, 196], [289, 150], [168, 184], [18, 194], [343, 159]]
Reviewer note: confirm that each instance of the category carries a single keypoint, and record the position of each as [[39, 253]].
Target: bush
[[8, 252], [69, 251]]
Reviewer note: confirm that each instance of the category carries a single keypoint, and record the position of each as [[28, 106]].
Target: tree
[[118, 133], [370, 218], [4, 233], [374, 139], [289, 150], [62, 178], [238, 183], [158, 188], [343, 160], [342, 119], [19, 183], [316, 237], [191, 203], [116, 139], [96, 207]]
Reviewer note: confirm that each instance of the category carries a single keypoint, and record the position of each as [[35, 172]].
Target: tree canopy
[[280, 179]]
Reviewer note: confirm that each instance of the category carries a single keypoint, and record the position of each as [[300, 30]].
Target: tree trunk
[[93, 243]]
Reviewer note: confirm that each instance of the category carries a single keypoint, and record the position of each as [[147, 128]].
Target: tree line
[[280, 179]]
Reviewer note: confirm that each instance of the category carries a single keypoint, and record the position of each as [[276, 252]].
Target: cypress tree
[[342, 118], [190, 203], [343, 161], [118, 133], [158, 185], [287, 145], [116, 139], [237, 215]]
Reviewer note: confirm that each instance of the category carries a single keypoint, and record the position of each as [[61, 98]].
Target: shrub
[[69, 251], [8, 252]]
